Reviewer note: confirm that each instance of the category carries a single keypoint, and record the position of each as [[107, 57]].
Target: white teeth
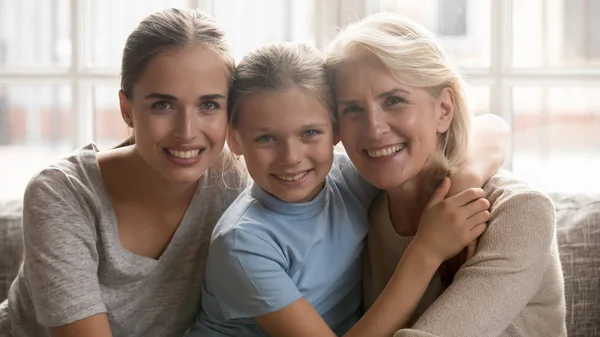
[[184, 154], [385, 152], [293, 178]]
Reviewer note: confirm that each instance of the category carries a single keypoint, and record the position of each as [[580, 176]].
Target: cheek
[[215, 127], [324, 149], [148, 126], [258, 160], [416, 125]]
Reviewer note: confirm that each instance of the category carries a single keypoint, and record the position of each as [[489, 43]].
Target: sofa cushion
[[578, 230], [11, 244]]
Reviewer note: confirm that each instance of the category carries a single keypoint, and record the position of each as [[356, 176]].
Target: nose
[[186, 122], [291, 152], [376, 125]]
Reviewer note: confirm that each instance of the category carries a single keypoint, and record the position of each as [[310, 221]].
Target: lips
[[184, 154], [293, 176]]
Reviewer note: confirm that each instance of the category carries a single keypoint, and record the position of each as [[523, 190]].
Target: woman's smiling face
[[389, 129]]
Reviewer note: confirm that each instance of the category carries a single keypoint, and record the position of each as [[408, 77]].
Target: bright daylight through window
[[536, 63]]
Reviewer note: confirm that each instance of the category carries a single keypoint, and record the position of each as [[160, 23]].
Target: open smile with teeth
[[386, 152], [294, 177], [184, 154]]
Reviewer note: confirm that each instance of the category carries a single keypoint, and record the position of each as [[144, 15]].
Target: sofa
[[578, 233]]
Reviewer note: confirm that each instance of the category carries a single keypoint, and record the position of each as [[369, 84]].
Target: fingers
[[476, 206], [466, 196], [477, 219], [440, 193], [478, 230]]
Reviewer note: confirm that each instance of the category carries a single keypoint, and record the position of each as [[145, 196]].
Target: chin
[[295, 196], [385, 180], [183, 177]]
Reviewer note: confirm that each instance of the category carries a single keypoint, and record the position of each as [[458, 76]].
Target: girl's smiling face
[[287, 139]]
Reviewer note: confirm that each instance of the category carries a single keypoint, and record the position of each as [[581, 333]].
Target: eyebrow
[[303, 127], [382, 95], [168, 97]]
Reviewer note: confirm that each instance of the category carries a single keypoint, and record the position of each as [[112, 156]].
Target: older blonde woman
[[403, 120]]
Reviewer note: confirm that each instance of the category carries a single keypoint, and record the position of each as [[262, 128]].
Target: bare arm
[[493, 287], [93, 326], [396, 304], [441, 234], [487, 152]]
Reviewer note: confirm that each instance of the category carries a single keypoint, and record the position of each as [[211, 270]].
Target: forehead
[[196, 70], [280, 109], [361, 75]]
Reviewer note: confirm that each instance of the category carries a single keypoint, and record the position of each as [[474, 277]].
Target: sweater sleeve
[[493, 287], [61, 260]]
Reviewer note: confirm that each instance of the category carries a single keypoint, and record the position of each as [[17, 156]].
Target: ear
[[446, 106], [125, 108], [233, 141]]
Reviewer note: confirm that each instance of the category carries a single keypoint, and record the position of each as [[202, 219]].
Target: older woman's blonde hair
[[415, 55]]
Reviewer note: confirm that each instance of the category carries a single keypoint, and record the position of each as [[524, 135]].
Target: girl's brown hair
[[279, 67]]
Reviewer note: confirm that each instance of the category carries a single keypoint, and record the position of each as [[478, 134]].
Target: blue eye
[[311, 133], [264, 139], [162, 105]]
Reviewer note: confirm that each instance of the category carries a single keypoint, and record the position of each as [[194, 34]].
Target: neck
[[408, 200]]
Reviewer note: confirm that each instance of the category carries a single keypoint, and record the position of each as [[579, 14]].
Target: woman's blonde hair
[[416, 55], [280, 67]]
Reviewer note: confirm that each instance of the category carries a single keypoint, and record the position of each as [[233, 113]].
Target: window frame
[[501, 76]]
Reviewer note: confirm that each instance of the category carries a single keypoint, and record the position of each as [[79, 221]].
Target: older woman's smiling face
[[389, 129]]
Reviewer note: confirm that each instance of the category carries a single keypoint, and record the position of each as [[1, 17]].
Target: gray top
[[75, 265]]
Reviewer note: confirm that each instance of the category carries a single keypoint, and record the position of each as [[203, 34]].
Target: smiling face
[[287, 141], [390, 130], [178, 112]]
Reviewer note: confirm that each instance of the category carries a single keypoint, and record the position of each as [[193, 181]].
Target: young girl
[[285, 258], [116, 241]]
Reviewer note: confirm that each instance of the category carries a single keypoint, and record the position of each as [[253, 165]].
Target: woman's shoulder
[[518, 206], [506, 186], [73, 173], [71, 181]]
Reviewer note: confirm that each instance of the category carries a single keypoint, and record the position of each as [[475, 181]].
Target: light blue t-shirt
[[265, 254]]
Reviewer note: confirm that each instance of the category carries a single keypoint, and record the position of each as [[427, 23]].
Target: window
[[452, 18], [464, 25], [59, 68], [536, 63], [582, 29]]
